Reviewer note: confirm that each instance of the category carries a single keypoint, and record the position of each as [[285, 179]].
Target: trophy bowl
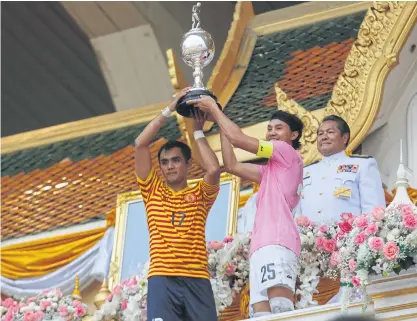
[[197, 51]]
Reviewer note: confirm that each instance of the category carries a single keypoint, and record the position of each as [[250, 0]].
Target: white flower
[[304, 239]]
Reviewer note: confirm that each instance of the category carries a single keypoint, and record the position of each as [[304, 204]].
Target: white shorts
[[270, 266]]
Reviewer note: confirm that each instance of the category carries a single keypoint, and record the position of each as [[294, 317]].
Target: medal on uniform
[[349, 168], [342, 192]]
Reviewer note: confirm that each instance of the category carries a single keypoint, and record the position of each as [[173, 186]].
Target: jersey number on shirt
[[182, 215], [268, 271]]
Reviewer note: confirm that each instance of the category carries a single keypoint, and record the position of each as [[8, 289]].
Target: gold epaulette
[[359, 156]]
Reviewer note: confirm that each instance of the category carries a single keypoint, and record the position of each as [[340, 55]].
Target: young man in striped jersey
[[178, 279], [275, 243]]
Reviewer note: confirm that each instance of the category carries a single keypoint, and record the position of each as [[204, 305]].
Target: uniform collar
[[334, 157]]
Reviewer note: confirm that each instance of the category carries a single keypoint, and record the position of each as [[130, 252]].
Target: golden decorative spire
[[102, 295], [77, 294]]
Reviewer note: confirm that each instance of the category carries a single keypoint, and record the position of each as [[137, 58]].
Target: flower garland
[[49, 305], [382, 243], [318, 243], [127, 301]]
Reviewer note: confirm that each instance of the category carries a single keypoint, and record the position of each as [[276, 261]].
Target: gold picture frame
[[125, 247]]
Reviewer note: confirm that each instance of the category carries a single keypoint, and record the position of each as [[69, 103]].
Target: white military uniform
[[340, 184]]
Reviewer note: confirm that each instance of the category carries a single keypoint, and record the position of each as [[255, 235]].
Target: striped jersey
[[176, 223]]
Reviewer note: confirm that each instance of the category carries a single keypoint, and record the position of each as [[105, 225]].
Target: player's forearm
[[209, 160], [150, 131], [227, 127], [229, 157]]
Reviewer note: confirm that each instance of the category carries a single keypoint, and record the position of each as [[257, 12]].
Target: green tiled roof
[[79, 148], [269, 62]]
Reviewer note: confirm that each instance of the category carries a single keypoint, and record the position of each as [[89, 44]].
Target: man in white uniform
[[339, 183]]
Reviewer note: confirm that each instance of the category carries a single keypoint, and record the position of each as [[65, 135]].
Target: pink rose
[[371, 229], [340, 235], [79, 311], [345, 226], [302, 221], [63, 311], [323, 228], [133, 282], [124, 282], [351, 220], [117, 289], [406, 210], [28, 316], [320, 242], [352, 265], [335, 259], [215, 245], [410, 221], [38, 316], [228, 240], [356, 281], [375, 243], [30, 300], [8, 302], [330, 246], [390, 250], [45, 304], [346, 216], [230, 269], [360, 238], [124, 304], [361, 221], [9, 316], [378, 213]]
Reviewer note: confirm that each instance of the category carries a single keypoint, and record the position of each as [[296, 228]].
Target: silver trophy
[[197, 51]]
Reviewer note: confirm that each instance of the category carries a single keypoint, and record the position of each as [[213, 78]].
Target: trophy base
[[185, 109]]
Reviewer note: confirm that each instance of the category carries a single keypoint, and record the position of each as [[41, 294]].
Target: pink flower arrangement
[[361, 221], [231, 268], [375, 243], [303, 221], [49, 304], [378, 213], [371, 229], [330, 246], [352, 265], [335, 258], [360, 238], [390, 250], [410, 221]]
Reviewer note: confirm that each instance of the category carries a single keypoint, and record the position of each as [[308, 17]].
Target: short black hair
[[295, 124], [342, 125], [185, 149]]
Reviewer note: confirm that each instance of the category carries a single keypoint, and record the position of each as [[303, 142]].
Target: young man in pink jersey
[[275, 243]]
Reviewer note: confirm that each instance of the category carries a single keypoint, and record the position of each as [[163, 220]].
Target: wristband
[[198, 134], [166, 112]]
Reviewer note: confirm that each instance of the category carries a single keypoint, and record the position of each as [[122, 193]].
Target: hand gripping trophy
[[197, 49]]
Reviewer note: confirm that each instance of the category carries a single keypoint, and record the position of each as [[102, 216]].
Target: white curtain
[[92, 265]]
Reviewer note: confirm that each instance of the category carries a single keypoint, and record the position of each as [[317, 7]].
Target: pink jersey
[[279, 193]]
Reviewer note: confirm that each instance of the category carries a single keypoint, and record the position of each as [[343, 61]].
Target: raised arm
[[246, 171], [209, 160], [143, 162], [232, 131]]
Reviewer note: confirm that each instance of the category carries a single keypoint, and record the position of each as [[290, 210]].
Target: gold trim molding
[[398, 307], [394, 293], [404, 317], [357, 94], [80, 128]]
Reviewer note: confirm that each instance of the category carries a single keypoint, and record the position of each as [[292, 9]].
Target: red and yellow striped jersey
[[176, 223]]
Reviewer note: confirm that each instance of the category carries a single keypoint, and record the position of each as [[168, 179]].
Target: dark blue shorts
[[180, 299]]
